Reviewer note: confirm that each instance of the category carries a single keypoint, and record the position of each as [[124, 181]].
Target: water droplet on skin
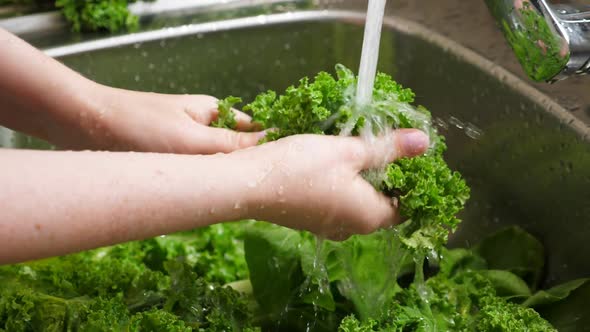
[[212, 211], [252, 184], [283, 212], [237, 206], [281, 190]]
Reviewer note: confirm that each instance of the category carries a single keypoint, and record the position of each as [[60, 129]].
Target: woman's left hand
[[123, 120]]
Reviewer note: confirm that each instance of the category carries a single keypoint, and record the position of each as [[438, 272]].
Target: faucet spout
[[551, 38]]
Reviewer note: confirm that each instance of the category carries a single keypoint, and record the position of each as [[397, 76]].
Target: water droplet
[[441, 123], [456, 122], [252, 184], [262, 19], [472, 131]]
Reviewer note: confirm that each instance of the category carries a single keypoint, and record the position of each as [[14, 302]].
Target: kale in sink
[[254, 276], [88, 15]]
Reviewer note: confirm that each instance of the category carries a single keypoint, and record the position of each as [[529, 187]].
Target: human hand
[[313, 182], [122, 120]]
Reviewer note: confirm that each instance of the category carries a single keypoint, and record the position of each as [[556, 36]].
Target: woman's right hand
[[313, 182]]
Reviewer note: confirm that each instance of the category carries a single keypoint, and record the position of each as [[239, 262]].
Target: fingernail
[[413, 142], [261, 135]]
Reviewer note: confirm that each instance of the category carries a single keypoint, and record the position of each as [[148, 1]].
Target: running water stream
[[370, 52], [370, 297]]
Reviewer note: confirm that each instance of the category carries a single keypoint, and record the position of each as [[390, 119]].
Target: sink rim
[[396, 23]]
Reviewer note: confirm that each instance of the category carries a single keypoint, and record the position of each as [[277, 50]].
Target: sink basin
[[526, 158]]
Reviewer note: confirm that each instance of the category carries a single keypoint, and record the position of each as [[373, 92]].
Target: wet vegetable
[[89, 15], [254, 276], [168, 283]]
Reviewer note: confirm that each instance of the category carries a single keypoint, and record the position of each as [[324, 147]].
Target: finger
[[378, 210], [214, 140], [245, 122], [390, 147]]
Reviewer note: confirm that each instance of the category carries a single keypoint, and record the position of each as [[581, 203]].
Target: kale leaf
[[226, 117]]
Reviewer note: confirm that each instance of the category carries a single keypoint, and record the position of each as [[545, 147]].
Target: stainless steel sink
[[526, 158]]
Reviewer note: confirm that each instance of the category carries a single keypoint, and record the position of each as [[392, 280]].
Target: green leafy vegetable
[[465, 302], [514, 250], [430, 193], [565, 306], [163, 284], [226, 117], [89, 15], [93, 15]]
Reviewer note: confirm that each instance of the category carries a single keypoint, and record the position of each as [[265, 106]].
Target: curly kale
[[226, 117], [88, 15], [466, 302], [429, 192], [95, 15], [171, 283]]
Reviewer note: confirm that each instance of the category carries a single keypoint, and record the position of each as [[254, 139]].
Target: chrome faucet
[[551, 38]]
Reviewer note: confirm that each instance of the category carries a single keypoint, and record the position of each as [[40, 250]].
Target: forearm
[[55, 203], [39, 95]]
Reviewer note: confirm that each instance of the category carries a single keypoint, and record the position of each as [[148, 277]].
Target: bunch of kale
[[88, 15], [171, 283]]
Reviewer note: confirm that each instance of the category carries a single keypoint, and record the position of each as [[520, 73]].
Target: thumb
[[394, 145]]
